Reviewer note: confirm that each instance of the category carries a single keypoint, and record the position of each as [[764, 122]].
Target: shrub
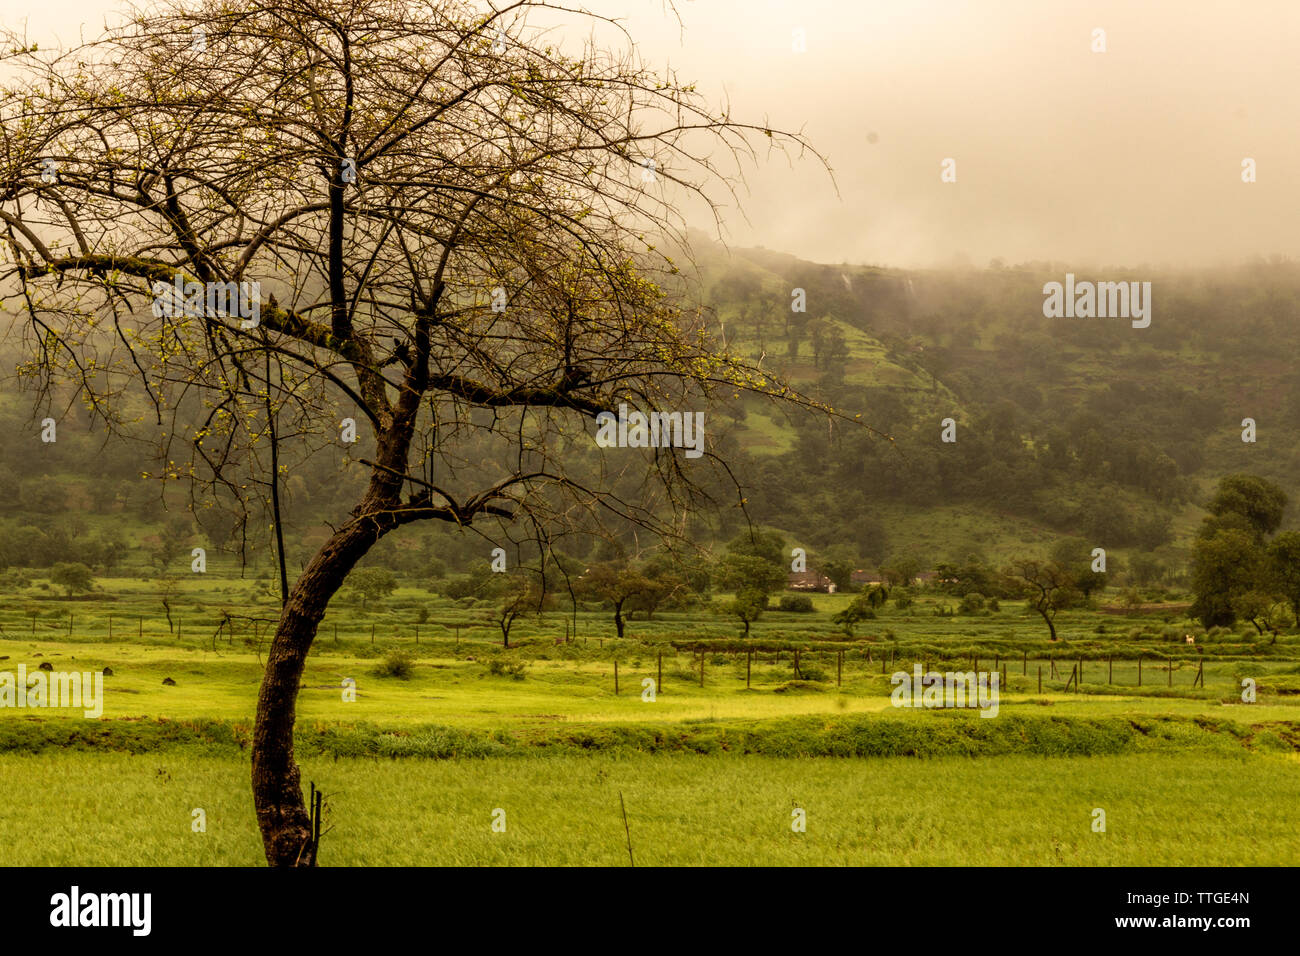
[[799, 603], [971, 602], [395, 664], [903, 598], [498, 667], [460, 587]]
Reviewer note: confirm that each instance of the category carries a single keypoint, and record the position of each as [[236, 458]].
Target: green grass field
[[415, 766], [125, 810]]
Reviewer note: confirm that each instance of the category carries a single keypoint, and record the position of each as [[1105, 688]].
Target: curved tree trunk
[[277, 788]]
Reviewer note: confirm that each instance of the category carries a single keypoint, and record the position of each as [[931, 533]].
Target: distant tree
[[746, 572], [761, 543], [1248, 502], [616, 583], [861, 608], [109, 550], [1283, 569], [1146, 569], [1153, 531], [1075, 555], [42, 496], [663, 585], [1224, 567], [72, 576], [839, 568], [517, 592], [1231, 569], [901, 569], [476, 583], [372, 584], [1262, 609], [1047, 587], [170, 543], [748, 605]]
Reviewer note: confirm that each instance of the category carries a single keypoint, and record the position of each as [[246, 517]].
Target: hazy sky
[[1124, 157]]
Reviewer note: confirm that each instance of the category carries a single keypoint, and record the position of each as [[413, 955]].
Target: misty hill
[[1082, 427], [1078, 427]]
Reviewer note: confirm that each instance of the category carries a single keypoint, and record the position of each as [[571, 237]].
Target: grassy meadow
[[459, 726]]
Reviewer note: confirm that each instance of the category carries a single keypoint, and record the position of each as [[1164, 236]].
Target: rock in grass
[[108, 672], [168, 682], [46, 666]]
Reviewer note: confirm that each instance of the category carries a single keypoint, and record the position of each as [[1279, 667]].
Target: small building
[[809, 581]]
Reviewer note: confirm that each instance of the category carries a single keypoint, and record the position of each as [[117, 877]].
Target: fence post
[[1110, 669], [141, 625], [796, 664]]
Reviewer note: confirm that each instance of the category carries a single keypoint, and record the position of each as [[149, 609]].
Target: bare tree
[[1047, 586], [454, 236]]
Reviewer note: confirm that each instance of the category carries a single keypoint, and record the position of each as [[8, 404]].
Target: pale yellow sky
[[1125, 157]]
